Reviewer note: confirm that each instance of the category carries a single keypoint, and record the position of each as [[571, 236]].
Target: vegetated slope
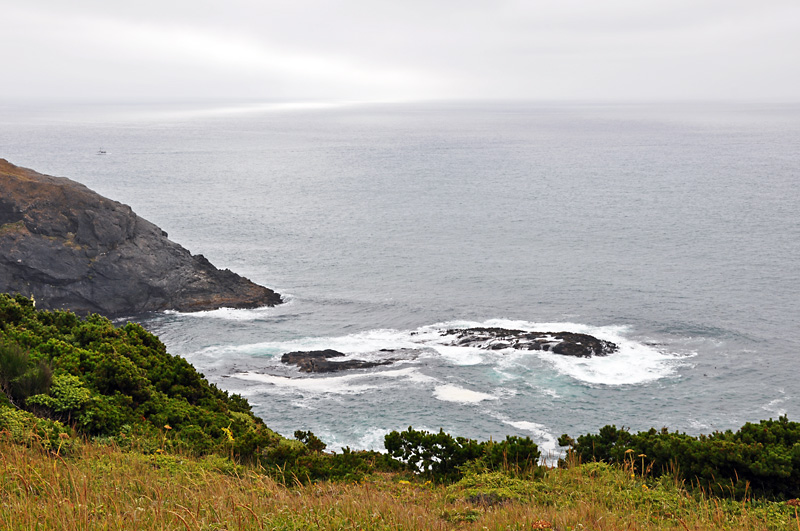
[[117, 382], [760, 459], [71, 248], [99, 487], [120, 384], [61, 374]]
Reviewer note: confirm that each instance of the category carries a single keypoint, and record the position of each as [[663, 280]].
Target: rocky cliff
[[72, 248]]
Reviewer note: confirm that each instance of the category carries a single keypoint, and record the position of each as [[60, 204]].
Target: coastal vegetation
[[761, 459], [102, 486], [101, 428]]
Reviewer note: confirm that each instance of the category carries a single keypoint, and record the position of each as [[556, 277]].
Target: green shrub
[[441, 456], [67, 396], [761, 459], [311, 441], [108, 377], [21, 376], [490, 488], [25, 428], [292, 462]]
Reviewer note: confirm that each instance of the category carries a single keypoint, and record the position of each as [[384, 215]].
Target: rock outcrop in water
[[72, 248], [318, 361], [565, 343]]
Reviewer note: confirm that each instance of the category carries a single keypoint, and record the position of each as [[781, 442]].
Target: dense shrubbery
[[118, 383], [25, 428], [761, 459], [295, 462], [121, 385], [441, 456], [20, 377]]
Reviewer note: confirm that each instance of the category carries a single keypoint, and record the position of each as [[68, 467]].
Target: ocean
[[672, 229]]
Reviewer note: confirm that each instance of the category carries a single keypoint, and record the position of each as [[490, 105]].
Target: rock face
[[71, 248], [318, 361], [566, 343]]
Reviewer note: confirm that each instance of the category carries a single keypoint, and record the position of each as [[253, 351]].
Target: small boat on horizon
[[101, 151]]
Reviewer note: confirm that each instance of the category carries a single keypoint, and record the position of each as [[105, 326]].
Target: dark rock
[[318, 361], [72, 248], [566, 343]]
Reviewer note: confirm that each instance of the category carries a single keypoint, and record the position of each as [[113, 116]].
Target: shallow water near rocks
[[671, 230]]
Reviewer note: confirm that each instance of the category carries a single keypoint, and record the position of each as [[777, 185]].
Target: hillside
[[101, 428]]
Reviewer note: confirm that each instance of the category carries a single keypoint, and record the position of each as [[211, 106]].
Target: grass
[[101, 487], [7, 228]]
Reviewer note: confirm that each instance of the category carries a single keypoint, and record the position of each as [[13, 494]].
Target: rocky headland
[[71, 248]]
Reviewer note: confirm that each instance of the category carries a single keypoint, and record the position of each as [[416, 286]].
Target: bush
[[25, 428], [20, 376], [441, 456], [761, 459], [311, 441], [67, 396], [107, 377]]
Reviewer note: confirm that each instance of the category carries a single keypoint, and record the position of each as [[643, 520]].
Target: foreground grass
[[101, 487]]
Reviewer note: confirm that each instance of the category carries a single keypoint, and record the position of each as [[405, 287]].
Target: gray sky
[[400, 50]]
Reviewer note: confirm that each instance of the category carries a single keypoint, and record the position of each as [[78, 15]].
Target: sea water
[[670, 229]]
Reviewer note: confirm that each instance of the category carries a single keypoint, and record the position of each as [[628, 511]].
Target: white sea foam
[[460, 355], [371, 439], [634, 363], [348, 384], [371, 345], [544, 439], [546, 391], [329, 385], [362, 342], [453, 393], [699, 426], [232, 314], [774, 406]]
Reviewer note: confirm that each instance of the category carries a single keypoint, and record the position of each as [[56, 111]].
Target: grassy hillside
[[101, 428], [98, 486]]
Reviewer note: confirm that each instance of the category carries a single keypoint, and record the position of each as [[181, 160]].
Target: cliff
[[72, 248]]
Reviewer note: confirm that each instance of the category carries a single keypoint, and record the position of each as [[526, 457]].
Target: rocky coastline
[[71, 248]]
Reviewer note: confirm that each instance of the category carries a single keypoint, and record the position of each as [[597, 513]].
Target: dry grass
[[100, 487]]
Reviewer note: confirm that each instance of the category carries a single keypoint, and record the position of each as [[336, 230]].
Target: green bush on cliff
[[25, 428], [442, 456], [761, 459], [20, 376], [118, 382]]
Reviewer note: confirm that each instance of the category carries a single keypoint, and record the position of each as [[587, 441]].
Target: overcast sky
[[400, 50]]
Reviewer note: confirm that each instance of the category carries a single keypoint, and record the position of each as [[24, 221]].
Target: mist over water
[[671, 230]]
